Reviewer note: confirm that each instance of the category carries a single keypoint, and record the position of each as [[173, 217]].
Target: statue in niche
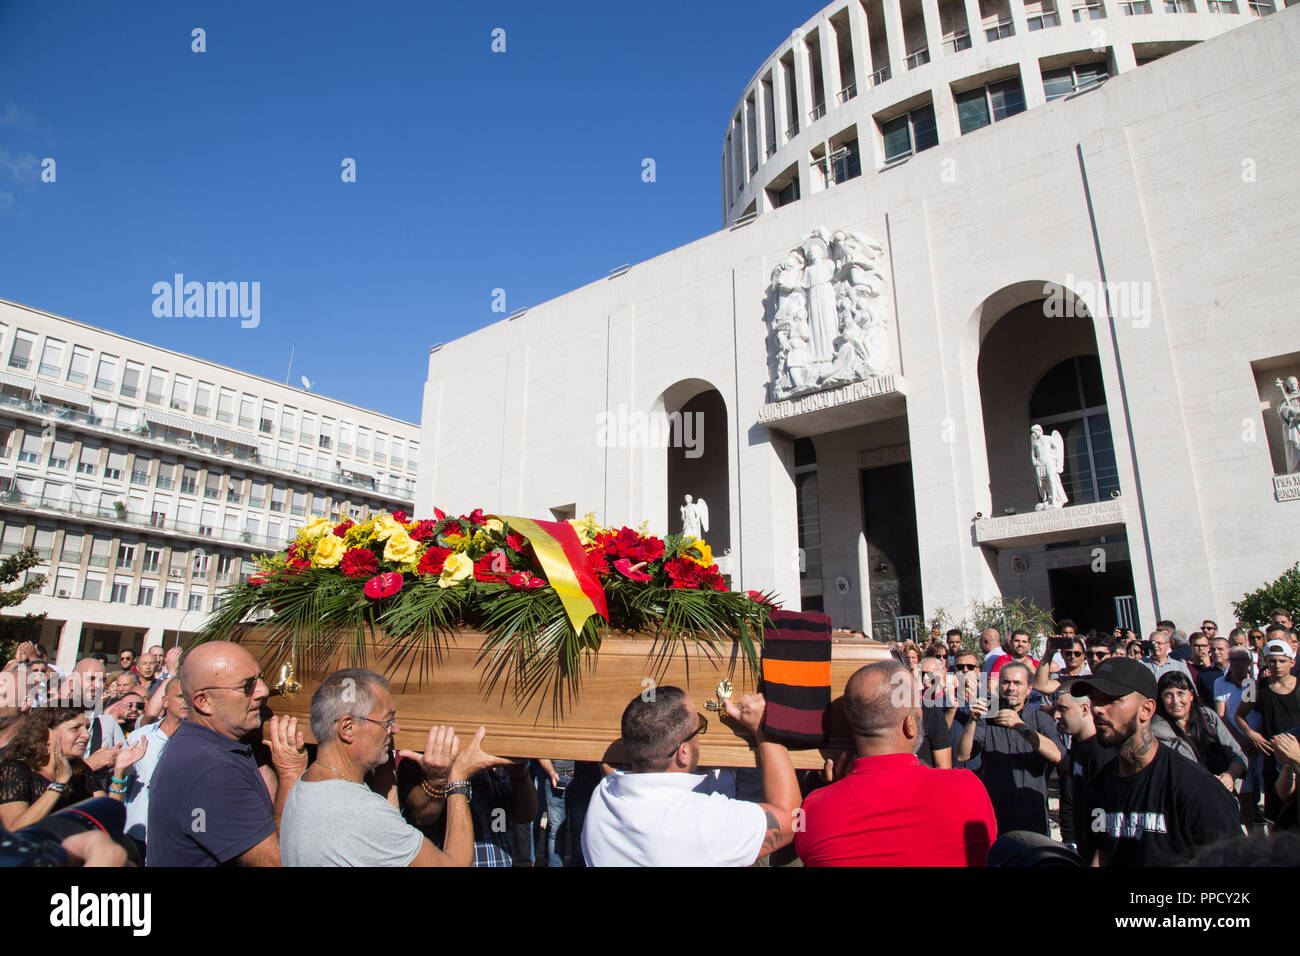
[[830, 323], [695, 518], [1289, 412], [1047, 453]]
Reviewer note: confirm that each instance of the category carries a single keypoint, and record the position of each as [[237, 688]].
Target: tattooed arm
[[781, 797]]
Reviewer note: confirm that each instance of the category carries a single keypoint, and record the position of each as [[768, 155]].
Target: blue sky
[[475, 170]]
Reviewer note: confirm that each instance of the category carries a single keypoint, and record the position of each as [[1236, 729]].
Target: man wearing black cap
[[1148, 807]]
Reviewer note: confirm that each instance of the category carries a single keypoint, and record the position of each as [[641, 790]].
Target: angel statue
[[1047, 452], [1289, 412], [695, 518]]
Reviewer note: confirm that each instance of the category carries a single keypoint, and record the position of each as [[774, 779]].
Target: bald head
[[881, 705], [213, 664]]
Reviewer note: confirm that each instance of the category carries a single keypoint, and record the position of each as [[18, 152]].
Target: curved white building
[[851, 378], [872, 82]]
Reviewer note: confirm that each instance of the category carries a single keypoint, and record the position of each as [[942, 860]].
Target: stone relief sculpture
[[1289, 412], [695, 518], [1047, 453], [830, 321]]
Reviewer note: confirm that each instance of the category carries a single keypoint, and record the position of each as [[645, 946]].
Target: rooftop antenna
[[290, 368]]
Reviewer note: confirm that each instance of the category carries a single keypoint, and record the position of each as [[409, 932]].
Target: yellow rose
[[315, 527], [386, 527], [455, 569], [400, 548], [493, 525], [329, 552]]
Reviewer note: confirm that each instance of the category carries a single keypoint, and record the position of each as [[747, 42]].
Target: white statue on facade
[[1289, 412], [1047, 452], [830, 322], [695, 518]]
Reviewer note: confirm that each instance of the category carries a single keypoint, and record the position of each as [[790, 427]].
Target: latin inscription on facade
[[1286, 487], [1048, 522], [856, 392]]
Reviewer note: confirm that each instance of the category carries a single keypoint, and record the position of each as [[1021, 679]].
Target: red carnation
[[491, 567], [599, 564], [685, 574], [432, 560], [400, 517], [341, 528], [424, 530], [383, 585], [359, 563], [516, 542]]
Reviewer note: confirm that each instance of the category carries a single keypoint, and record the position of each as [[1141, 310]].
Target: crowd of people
[[959, 749]]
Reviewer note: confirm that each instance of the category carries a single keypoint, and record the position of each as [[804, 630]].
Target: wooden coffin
[[454, 692]]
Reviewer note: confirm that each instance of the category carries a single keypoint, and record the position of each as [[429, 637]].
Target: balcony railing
[[771, 151], [1136, 8], [999, 31], [880, 76], [1090, 11], [1048, 18], [237, 454], [792, 131], [919, 58], [15, 498], [848, 92], [817, 112], [1261, 8]]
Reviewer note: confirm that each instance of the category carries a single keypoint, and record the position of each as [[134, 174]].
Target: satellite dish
[[306, 382]]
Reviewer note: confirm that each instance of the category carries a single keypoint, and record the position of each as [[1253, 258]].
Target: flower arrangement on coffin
[[542, 593]]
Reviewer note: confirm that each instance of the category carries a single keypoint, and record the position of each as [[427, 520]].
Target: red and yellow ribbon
[[565, 563]]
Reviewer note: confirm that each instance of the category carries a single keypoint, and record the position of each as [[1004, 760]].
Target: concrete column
[[802, 80], [760, 121], [933, 28], [831, 80], [894, 36], [741, 142], [154, 635], [975, 23], [69, 651], [860, 40], [1124, 58], [1017, 10], [1031, 80], [780, 108], [946, 123]]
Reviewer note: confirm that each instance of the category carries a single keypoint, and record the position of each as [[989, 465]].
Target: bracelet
[[57, 787], [121, 780], [460, 789], [113, 788], [440, 793]]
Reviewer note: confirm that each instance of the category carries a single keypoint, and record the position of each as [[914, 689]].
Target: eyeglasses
[[249, 687], [1071, 653], [703, 728], [388, 725], [967, 667]]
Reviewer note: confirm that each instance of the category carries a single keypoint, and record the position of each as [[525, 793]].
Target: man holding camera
[[1158, 660]]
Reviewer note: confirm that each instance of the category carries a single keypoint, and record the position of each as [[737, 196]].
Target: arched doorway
[[1071, 399]]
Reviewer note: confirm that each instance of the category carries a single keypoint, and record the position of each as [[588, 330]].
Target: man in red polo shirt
[[890, 810]]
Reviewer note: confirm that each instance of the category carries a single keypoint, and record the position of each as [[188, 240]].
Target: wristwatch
[[462, 787]]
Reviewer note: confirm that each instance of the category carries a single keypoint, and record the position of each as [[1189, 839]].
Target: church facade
[[848, 373]]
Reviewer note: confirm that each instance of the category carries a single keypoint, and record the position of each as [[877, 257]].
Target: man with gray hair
[[889, 810], [343, 811]]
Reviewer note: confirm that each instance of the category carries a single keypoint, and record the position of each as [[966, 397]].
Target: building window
[[979, 107], [131, 376], [999, 31], [157, 382], [30, 451], [24, 346], [144, 597], [910, 133], [1136, 8], [1070, 399], [152, 559], [226, 406], [118, 595], [1073, 79], [88, 460], [51, 358], [79, 367], [196, 602], [106, 373], [1089, 11], [1261, 8], [1180, 6], [181, 394], [92, 589], [59, 454], [203, 400], [1221, 6], [171, 599], [125, 555], [808, 510], [1045, 18], [189, 480]]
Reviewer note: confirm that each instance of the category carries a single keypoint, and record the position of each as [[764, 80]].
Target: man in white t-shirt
[[138, 776], [664, 813]]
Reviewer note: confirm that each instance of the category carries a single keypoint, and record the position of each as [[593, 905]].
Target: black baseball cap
[[1115, 677]]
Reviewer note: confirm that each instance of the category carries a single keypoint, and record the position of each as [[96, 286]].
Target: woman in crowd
[[1190, 728], [912, 655], [42, 771]]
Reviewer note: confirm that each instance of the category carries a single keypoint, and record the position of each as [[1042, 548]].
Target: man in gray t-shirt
[[334, 816], [364, 829]]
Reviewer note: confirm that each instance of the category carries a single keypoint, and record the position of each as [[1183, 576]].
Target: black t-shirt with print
[[1157, 817], [935, 734]]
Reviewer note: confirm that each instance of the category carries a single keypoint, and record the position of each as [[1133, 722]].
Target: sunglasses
[[1071, 653], [702, 728], [966, 667], [249, 687]]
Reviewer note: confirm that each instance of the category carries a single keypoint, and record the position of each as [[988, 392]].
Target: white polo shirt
[[139, 776], [670, 819]]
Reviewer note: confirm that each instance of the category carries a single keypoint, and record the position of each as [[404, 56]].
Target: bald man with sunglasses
[[208, 804]]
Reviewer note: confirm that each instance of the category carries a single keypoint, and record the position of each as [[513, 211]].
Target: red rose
[[626, 568], [491, 567], [341, 528], [359, 563], [423, 531], [516, 542], [475, 517], [383, 585], [432, 560], [524, 581], [400, 517]]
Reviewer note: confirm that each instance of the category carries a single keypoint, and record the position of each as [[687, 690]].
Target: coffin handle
[[286, 686]]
